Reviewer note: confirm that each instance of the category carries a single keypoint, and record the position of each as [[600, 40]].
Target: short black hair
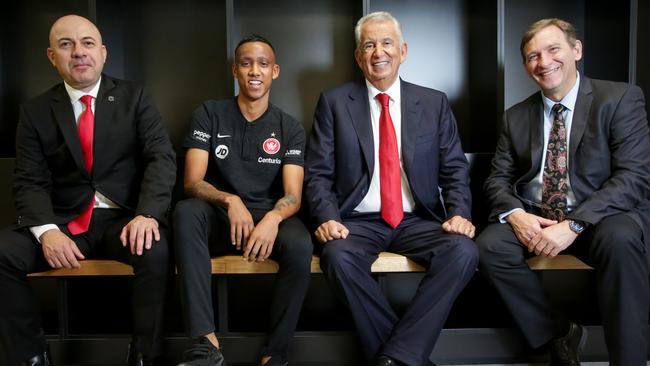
[[253, 38]]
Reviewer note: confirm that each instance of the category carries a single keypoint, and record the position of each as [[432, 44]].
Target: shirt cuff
[[503, 216], [37, 231]]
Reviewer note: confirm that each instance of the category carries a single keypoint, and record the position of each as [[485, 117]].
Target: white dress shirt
[[372, 200], [532, 191]]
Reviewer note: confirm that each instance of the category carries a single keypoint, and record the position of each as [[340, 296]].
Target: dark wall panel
[[518, 16], [314, 43], [178, 49], [25, 70]]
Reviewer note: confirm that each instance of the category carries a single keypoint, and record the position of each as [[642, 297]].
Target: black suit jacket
[[609, 156], [340, 160], [134, 162]]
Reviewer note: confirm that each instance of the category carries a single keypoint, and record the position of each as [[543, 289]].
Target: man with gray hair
[[379, 150]]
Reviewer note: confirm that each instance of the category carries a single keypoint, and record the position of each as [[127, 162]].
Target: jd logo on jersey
[[221, 151]]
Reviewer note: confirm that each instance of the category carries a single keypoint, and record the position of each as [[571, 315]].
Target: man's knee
[[618, 241], [337, 254], [155, 260], [189, 212]]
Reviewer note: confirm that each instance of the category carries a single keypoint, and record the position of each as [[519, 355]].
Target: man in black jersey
[[243, 172]]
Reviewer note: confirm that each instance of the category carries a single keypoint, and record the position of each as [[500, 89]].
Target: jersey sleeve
[[295, 151], [200, 131]]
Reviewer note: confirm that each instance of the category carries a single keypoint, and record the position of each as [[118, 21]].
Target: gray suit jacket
[[609, 157]]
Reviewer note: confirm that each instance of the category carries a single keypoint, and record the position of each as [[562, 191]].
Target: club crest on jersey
[[271, 146]]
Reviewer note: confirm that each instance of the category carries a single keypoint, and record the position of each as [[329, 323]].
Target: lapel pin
[[111, 98]]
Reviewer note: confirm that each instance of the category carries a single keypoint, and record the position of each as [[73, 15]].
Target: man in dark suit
[[94, 171], [571, 173], [379, 152]]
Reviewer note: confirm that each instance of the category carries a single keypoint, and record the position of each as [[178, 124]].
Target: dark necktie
[[390, 182], [554, 191], [85, 129]]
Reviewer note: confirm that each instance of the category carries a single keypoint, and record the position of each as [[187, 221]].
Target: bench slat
[[234, 264], [91, 267]]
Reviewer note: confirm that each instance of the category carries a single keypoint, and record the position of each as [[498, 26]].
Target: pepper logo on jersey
[[271, 146], [221, 152]]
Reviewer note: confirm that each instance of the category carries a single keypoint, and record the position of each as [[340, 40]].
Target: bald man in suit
[[94, 171]]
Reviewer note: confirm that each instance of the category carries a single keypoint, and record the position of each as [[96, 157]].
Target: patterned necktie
[[554, 191], [86, 129], [390, 182]]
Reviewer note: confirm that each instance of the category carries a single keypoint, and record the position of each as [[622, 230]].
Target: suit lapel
[[104, 108], [64, 115], [359, 111], [580, 116], [411, 118], [536, 128]]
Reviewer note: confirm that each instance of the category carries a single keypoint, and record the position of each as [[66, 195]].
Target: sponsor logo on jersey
[[271, 146], [221, 152], [269, 160], [293, 152], [200, 136], [220, 136]]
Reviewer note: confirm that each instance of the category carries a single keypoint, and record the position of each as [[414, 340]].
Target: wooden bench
[[233, 264]]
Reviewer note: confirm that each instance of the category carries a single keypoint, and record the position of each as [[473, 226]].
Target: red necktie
[[390, 182], [86, 129], [555, 187]]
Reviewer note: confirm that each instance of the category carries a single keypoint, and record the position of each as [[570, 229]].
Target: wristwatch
[[577, 226]]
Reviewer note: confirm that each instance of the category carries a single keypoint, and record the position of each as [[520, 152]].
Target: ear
[[404, 50], [104, 53], [358, 57], [276, 71], [577, 50], [50, 56], [234, 70]]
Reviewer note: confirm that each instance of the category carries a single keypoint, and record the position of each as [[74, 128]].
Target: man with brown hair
[[571, 173]]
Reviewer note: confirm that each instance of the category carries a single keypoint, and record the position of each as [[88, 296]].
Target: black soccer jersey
[[246, 158]]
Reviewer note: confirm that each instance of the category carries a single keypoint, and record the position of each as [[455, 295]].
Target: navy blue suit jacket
[[340, 160]]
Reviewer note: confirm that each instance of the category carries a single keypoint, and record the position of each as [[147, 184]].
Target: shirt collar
[[76, 94], [394, 91], [569, 100]]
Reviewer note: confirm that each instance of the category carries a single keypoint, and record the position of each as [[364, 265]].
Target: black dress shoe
[[386, 361], [203, 353], [564, 351], [135, 358], [42, 359], [276, 361]]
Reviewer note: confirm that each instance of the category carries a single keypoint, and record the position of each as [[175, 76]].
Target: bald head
[[70, 22], [76, 51]]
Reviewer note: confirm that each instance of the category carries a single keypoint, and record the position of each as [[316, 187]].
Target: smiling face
[[380, 54], [550, 60], [76, 51], [255, 69]]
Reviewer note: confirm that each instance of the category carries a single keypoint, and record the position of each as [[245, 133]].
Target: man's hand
[[260, 243], [552, 240], [459, 225], [241, 221], [140, 233], [331, 230], [59, 250], [526, 225]]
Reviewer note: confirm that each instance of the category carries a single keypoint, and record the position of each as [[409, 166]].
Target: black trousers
[[615, 249], [20, 254], [202, 231], [450, 261]]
